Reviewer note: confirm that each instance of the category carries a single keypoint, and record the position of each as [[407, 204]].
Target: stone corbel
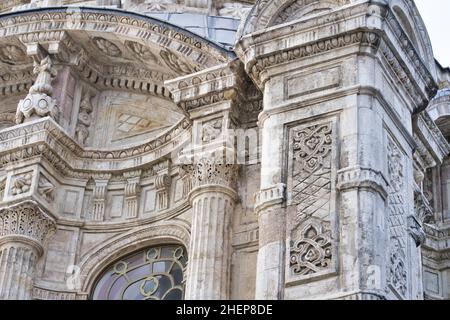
[[40, 102], [132, 191], [416, 231], [163, 182], [213, 86], [423, 211], [99, 196]]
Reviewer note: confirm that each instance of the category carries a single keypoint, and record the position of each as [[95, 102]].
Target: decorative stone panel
[[312, 239]]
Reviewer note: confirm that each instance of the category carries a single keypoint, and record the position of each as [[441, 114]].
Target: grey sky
[[436, 15]]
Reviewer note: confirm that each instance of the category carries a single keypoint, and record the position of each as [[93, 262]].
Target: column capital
[[26, 222], [270, 197], [209, 175]]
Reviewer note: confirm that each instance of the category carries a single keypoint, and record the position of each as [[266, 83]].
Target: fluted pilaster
[[23, 231], [17, 266]]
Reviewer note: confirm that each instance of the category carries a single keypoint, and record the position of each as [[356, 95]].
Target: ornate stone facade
[[309, 161]]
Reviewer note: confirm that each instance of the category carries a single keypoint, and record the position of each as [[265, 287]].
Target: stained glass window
[[152, 274]]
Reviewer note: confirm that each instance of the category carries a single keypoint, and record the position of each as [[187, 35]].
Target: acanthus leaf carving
[[46, 189], [208, 171], [26, 220]]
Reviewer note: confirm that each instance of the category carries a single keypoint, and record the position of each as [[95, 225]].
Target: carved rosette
[[39, 100]]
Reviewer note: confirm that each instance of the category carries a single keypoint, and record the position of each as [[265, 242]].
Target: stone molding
[[355, 178], [269, 197], [393, 44], [99, 257], [50, 27], [45, 138]]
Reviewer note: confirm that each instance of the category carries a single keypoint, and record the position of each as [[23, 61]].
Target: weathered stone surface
[[309, 162]]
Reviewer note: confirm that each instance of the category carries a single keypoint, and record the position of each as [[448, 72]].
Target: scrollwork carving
[[174, 63], [12, 55], [142, 52], [311, 239], [107, 47], [211, 130], [312, 252], [84, 119], [46, 189]]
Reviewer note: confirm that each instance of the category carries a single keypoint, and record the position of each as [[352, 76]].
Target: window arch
[[154, 273]]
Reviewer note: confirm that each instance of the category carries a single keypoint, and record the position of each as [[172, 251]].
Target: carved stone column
[[213, 200], [23, 231], [211, 99], [271, 221]]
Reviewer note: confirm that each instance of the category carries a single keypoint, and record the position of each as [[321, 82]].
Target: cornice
[[358, 25], [431, 138], [57, 15], [52, 26], [224, 82], [47, 139]]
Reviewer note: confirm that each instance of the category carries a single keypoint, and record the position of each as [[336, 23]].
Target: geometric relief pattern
[[397, 219], [131, 124], [156, 273], [311, 239]]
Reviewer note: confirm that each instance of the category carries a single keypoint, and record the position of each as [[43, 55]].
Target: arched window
[[154, 273]]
